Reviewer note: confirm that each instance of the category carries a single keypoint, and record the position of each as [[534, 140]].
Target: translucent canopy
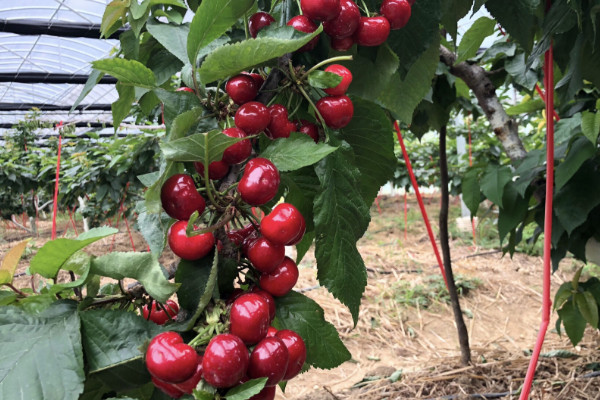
[[46, 55]]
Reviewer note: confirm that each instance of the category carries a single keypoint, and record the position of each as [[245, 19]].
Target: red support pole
[[129, 232], [71, 214], [377, 204], [420, 200]]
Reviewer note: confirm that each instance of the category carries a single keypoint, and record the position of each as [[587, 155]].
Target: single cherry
[[308, 128], [337, 111], [157, 314], [270, 300], [269, 359], [282, 280], [283, 224], [296, 350], [189, 248], [180, 198], [169, 359], [372, 31], [216, 170], [241, 88], [253, 117], [189, 385], [346, 23], [397, 12], [225, 361], [321, 10], [344, 44], [258, 21], [265, 255], [260, 181], [250, 318], [239, 152], [303, 24], [342, 87], [280, 125]]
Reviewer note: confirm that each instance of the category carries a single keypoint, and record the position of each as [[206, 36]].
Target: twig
[[17, 291]]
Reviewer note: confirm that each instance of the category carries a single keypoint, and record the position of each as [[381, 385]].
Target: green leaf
[[498, 49], [112, 337], [581, 150], [129, 72], [323, 80], [454, 11], [176, 103], [51, 257], [563, 294], [139, 10], [513, 210], [204, 147], [371, 75], [402, 96], [154, 228], [370, 134], [246, 390], [573, 322], [566, 129], [493, 182], [120, 108], [93, 79], [526, 107], [516, 17], [590, 125], [153, 203], [573, 203], [213, 18], [79, 263], [587, 306], [164, 65], [521, 73], [341, 217], [172, 37], [143, 267], [7, 297], [471, 193], [231, 59], [42, 357], [295, 152], [115, 11], [324, 349], [11, 260], [472, 39], [185, 122]]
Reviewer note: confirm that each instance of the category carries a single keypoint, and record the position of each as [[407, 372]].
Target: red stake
[[129, 232], [71, 214], [55, 204], [420, 200], [377, 204]]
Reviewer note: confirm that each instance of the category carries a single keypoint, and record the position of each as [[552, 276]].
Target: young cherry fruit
[[180, 198], [158, 315], [342, 87], [189, 248]]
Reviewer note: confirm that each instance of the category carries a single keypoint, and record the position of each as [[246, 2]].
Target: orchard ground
[[406, 329]]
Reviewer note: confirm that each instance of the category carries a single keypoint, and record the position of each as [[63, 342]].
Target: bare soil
[[503, 315]]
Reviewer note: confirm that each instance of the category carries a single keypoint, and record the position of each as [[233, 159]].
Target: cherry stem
[[228, 216], [325, 62], [365, 8], [17, 291], [317, 113]]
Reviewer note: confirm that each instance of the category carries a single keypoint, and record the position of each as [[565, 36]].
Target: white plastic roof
[[52, 54]]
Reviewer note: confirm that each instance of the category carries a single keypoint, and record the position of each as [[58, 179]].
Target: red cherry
[[321, 10], [189, 385], [300, 235], [269, 299], [248, 241], [239, 152], [216, 170], [342, 87], [267, 393], [241, 88], [264, 255], [260, 182], [344, 44], [372, 31], [411, 2], [167, 388], [282, 280], [397, 12], [283, 224], [253, 117], [269, 359], [280, 125], [250, 318], [189, 248], [180, 198], [337, 111], [184, 89], [272, 331], [257, 78], [159, 316], [296, 350], [169, 359], [258, 21], [225, 361], [309, 129], [303, 24], [345, 23]]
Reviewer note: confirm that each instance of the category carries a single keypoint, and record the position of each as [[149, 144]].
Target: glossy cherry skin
[[267, 393], [216, 170], [300, 235], [372, 31], [169, 359], [253, 117], [346, 23], [265, 255], [159, 316], [337, 111], [308, 128], [296, 350], [269, 359], [344, 44], [189, 248], [269, 299], [167, 388], [258, 21], [283, 224], [303, 24], [241, 88], [180, 198], [257, 78], [272, 331], [397, 12], [320, 10], [189, 385], [250, 318], [259, 183], [225, 361], [239, 152], [342, 87], [282, 280], [280, 124]]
